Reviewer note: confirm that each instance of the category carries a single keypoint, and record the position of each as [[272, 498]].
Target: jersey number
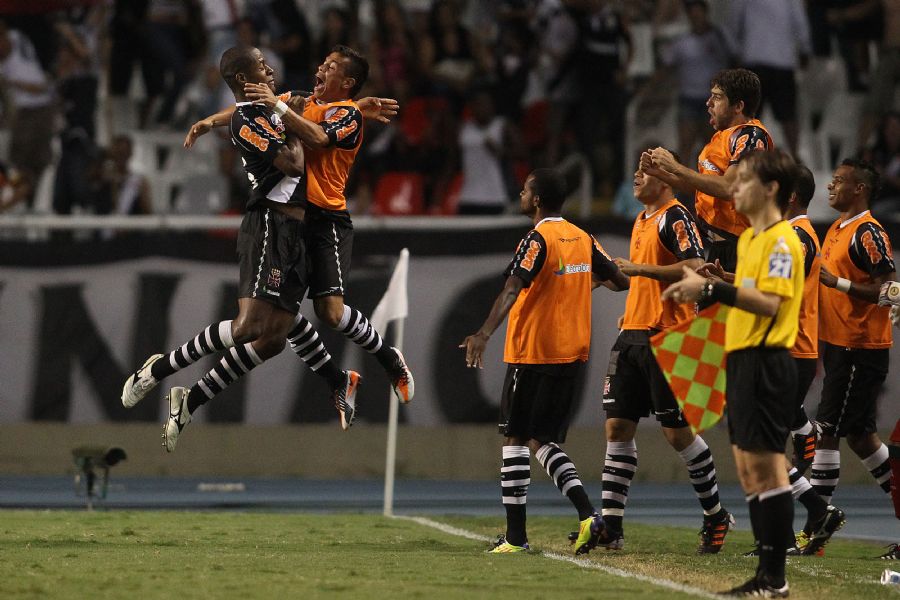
[[681, 234], [871, 247], [780, 265]]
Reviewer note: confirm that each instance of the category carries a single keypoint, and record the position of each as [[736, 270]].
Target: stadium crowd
[[488, 90]]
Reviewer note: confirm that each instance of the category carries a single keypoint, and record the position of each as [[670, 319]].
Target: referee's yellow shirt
[[770, 261]]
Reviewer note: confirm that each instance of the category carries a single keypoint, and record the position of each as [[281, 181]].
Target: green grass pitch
[[146, 555]]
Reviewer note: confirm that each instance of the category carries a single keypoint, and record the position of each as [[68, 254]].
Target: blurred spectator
[[220, 18], [14, 191], [773, 40], [558, 40], [288, 36], [126, 50], [601, 58], [123, 192], [31, 109], [693, 58], [887, 73], [856, 23], [391, 54], [77, 77], [485, 141], [173, 35], [885, 155], [514, 57], [446, 54], [337, 28]]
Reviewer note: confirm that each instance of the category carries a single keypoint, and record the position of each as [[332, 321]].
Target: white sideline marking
[[581, 562]]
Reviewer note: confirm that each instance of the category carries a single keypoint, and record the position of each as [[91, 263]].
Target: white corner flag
[[394, 306]]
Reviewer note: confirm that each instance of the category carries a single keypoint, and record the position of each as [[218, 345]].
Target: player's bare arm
[[290, 158], [650, 168], [689, 288], [619, 282], [668, 273], [476, 343], [718, 186], [716, 271], [203, 126], [867, 292]]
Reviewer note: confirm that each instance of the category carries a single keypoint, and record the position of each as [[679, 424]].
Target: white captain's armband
[[889, 295]]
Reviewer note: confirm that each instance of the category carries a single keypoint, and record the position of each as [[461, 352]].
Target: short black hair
[[738, 85], [805, 186], [357, 67], [550, 186], [774, 165], [237, 59], [865, 172]]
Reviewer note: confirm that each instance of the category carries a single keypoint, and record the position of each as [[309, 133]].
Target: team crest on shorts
[[274, 280]]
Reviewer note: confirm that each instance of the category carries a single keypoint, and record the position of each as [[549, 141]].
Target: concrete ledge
[[466, 452]]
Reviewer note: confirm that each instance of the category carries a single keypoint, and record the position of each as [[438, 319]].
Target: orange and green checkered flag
[[692, 357]]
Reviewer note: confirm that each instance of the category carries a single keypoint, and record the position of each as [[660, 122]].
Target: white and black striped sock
[[515, 476], [618, 471], [879, 465], [235, 363], [305, 343], [563, 473], [357, 328], [825, 472], [215, 338], [702, 470]]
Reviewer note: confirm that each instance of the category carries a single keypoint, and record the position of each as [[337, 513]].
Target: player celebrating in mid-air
[[548, 298], [271, 251], [330, 124]]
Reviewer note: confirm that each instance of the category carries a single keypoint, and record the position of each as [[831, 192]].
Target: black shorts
[[329, 242], [853, 378], [725, 251], [635, 385], [779, 90], [758, 382], [537, 401], [806, 372], [272, 258]]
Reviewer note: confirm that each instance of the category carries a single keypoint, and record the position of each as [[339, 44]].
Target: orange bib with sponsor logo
[[807, 344], [844, 320], [550, 322]]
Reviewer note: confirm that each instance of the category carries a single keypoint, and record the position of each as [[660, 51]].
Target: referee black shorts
[[635, 385], [537, 401], [853, 378], [759, 380], [329, 241], [272, 258]]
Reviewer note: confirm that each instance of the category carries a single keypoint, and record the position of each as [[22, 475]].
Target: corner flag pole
[[393, 307]]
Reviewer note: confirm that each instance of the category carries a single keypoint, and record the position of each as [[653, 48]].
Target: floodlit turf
[[144, 555]]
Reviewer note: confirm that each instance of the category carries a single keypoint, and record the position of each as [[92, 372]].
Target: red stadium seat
[[534, 124], [398, 193], [450, 199]]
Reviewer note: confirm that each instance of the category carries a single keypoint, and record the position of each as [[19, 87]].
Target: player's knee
[[619, 430], [330, 313], [270, 345], [245, 330]]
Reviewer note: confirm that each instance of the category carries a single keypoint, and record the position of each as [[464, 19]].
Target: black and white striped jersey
[[259, 134]]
